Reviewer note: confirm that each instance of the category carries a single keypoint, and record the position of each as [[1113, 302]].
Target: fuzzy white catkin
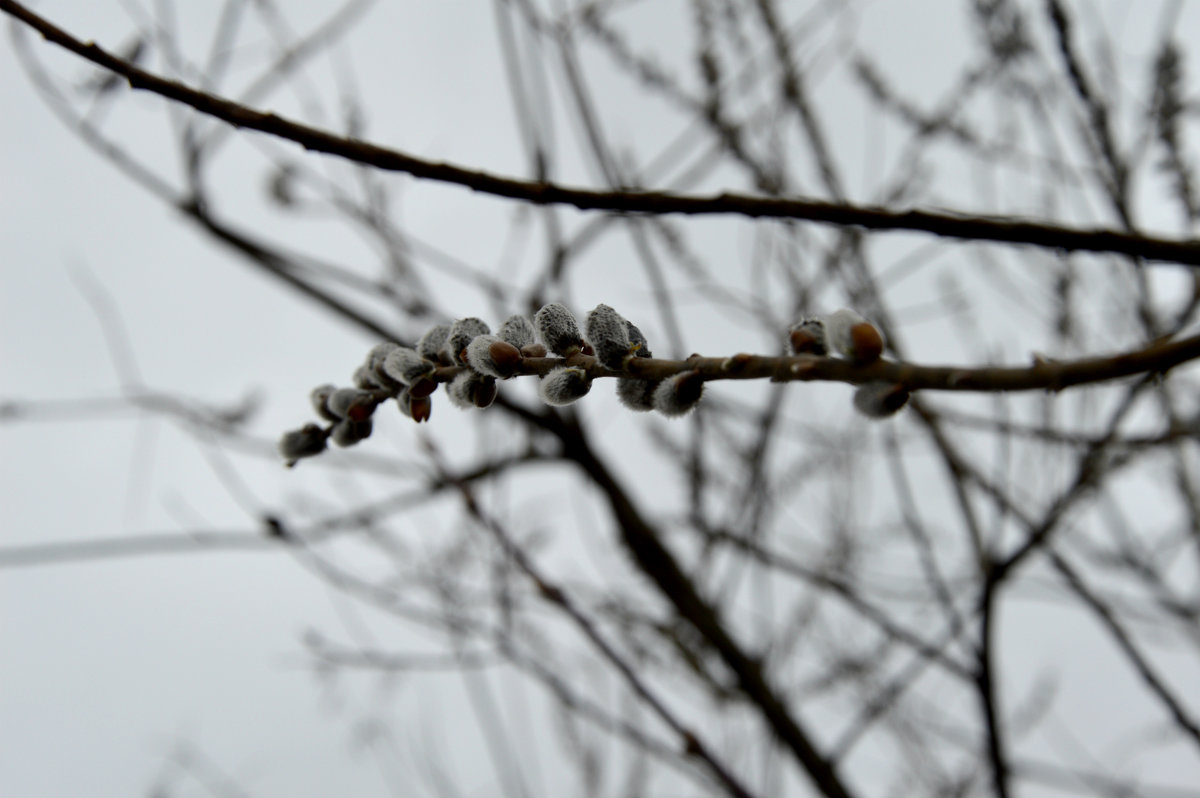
[[320, 401], [880, 399], [636, 394], [608, 333], [462, 332], [479, 356], [459, 389], [343, 400], [470, 389], [307, 441], [812, 333], [839, 331], [517, 330], [432, 341], [557, 329], [564, 386], [364, 379], [348, 433], [375, 359], [637, 339], [406, 366], [678, 394]]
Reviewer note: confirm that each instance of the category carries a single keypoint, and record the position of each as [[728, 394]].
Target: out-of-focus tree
[[774, 594]]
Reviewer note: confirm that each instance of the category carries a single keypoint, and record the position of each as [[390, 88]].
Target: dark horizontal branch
[[1043, 374], [972, 228]]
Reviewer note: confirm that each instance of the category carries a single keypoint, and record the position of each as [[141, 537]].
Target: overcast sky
[[114, 671]]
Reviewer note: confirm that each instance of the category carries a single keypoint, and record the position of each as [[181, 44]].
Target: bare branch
[[971, 228]]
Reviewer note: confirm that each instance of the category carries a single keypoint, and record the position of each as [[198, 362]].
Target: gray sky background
[[110, 668]]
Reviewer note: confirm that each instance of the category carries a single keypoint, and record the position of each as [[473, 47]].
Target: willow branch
[[1044, 374], [950, 225]]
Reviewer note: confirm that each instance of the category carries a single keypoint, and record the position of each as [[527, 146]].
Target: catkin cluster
[[470, 359], [844, 333]]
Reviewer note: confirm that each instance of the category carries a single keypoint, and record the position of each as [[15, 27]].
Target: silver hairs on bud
[[637, 341], [636, 394], [880, 399], [431, 343], [365, 379], [374, 364], [608, 333], [557, 328], [564, 386], [489, 355], [678, 394], [462, 332], [296, 444], [348, 432], [807, 337], [320, 401], [406, 366], [470, 389], [353, 403], [517, 330], [852, 336]]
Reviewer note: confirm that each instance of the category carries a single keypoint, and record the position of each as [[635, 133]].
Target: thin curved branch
[[1157, 685], [275, 261], [974, 228]]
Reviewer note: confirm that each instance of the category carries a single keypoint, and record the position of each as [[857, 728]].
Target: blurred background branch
[[986, 594]]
